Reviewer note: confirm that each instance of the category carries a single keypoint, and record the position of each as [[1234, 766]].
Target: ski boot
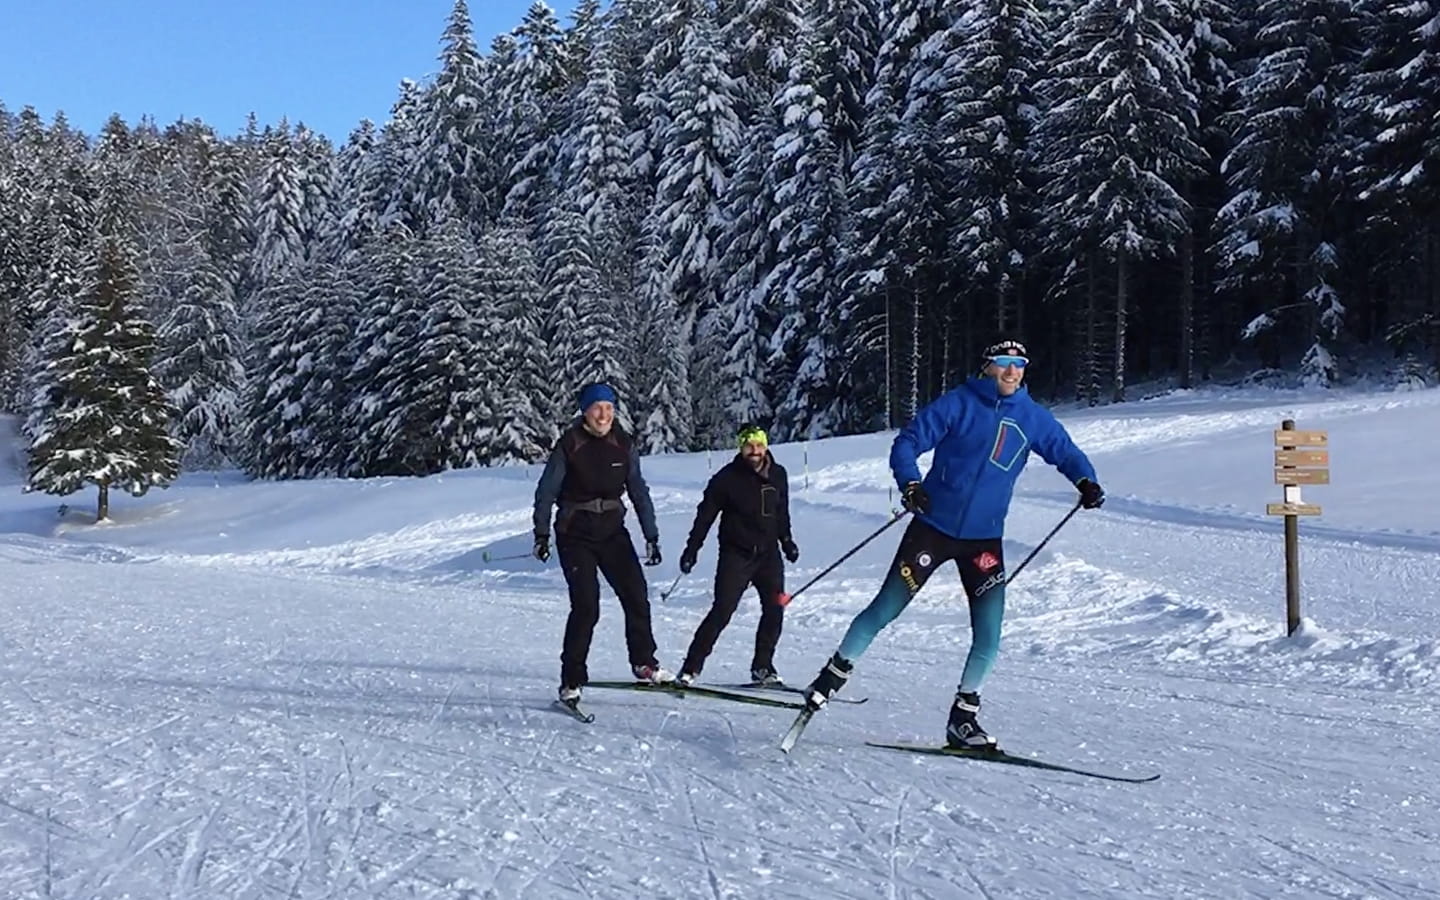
[[830, 680], [765, 676], [652, 673], [963, 731], [685, 679]]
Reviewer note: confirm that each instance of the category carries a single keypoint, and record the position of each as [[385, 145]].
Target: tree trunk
[[947, 354], [102, 510], [912, 398], [1432, 287], [1090, 368], [1187, 309], [1122, 288]]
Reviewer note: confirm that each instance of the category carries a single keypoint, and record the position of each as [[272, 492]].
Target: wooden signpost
[[1301, 457]]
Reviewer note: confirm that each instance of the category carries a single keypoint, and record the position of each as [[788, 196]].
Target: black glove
[[915, 499], [791, 551], [542, 547], [1091, 493], [688, 560], [652, 553]]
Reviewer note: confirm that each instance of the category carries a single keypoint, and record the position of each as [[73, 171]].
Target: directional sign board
[[1292, 438], [1302, 476], [1302, 457], [1292, 509]]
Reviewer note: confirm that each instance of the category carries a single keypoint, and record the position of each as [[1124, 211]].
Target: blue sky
[[328, 63]]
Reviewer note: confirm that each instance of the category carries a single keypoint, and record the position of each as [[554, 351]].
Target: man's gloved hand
[[542, 547], [652, 553], [791, 551], [688, 559], [915, 499], [1092, 495]]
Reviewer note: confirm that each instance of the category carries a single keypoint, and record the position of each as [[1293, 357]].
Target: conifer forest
[[810, 214]]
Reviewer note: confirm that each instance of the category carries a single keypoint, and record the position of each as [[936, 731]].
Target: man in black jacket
[[592, 464], [751, 495]]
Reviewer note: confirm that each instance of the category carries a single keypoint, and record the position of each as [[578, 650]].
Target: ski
[[574, 711], [785, 689], [676, 690], [787, 743], [1000, 756]]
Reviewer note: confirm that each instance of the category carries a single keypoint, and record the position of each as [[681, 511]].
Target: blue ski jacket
[[981, 442]]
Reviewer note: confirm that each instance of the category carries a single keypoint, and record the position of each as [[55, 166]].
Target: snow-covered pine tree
[[389, 319], [197, 246], [599, 179], [318, 214], [1285, 226], [280, 209], [585, 341], [14, 200], [897, 280], [1117, 138], [1203, 28], [746, 254], [1394, 103], [509, 303], [537, 87], [401, 162], [805, 180], [202, 371], [990, 123], [110, 424], [60, 230], [453, 170], [848, 35], [441, 399], [760, 37], [646, 36], [663, 405], [295, 395], [359, 194], [695, 157]]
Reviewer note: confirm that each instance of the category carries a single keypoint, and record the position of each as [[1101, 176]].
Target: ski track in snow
[[336, 713]]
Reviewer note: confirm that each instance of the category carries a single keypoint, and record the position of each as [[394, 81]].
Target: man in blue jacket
[[982, 433]]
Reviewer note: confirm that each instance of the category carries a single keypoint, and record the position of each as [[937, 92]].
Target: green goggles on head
[[752, 436]]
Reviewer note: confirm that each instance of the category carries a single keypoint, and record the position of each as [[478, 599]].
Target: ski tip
[[573, 712]]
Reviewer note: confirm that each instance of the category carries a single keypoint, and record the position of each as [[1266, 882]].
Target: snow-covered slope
[[336, 689]]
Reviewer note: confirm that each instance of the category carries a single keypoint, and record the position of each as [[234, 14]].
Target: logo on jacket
[[1011, 444], [923, 560], [987, 562]]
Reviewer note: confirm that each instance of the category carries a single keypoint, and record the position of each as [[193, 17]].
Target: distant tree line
[[810, 214]]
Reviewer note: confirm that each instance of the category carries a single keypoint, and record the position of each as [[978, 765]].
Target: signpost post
[[1301, 457]]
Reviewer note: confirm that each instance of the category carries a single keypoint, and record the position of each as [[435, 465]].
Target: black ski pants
[[583, 561], [735, 572]]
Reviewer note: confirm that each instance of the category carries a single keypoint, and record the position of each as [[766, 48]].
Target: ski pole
[[665, 594], [1025, 562], [784, 598], [488, 558]]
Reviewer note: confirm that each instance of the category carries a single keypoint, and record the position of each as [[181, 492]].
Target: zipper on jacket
[[984, 461]]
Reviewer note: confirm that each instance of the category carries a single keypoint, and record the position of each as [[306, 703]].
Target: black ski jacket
[[586, 476], [754, 508]]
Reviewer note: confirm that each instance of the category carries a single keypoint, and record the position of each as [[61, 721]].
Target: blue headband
[[597, 393]]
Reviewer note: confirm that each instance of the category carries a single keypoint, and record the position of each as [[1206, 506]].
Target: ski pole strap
[[1026, 561], [784, 599]]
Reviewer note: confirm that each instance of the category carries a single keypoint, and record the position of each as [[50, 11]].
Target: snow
[[323, 688]]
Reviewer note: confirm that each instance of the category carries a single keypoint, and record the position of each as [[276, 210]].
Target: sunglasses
[[1018, 362]]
